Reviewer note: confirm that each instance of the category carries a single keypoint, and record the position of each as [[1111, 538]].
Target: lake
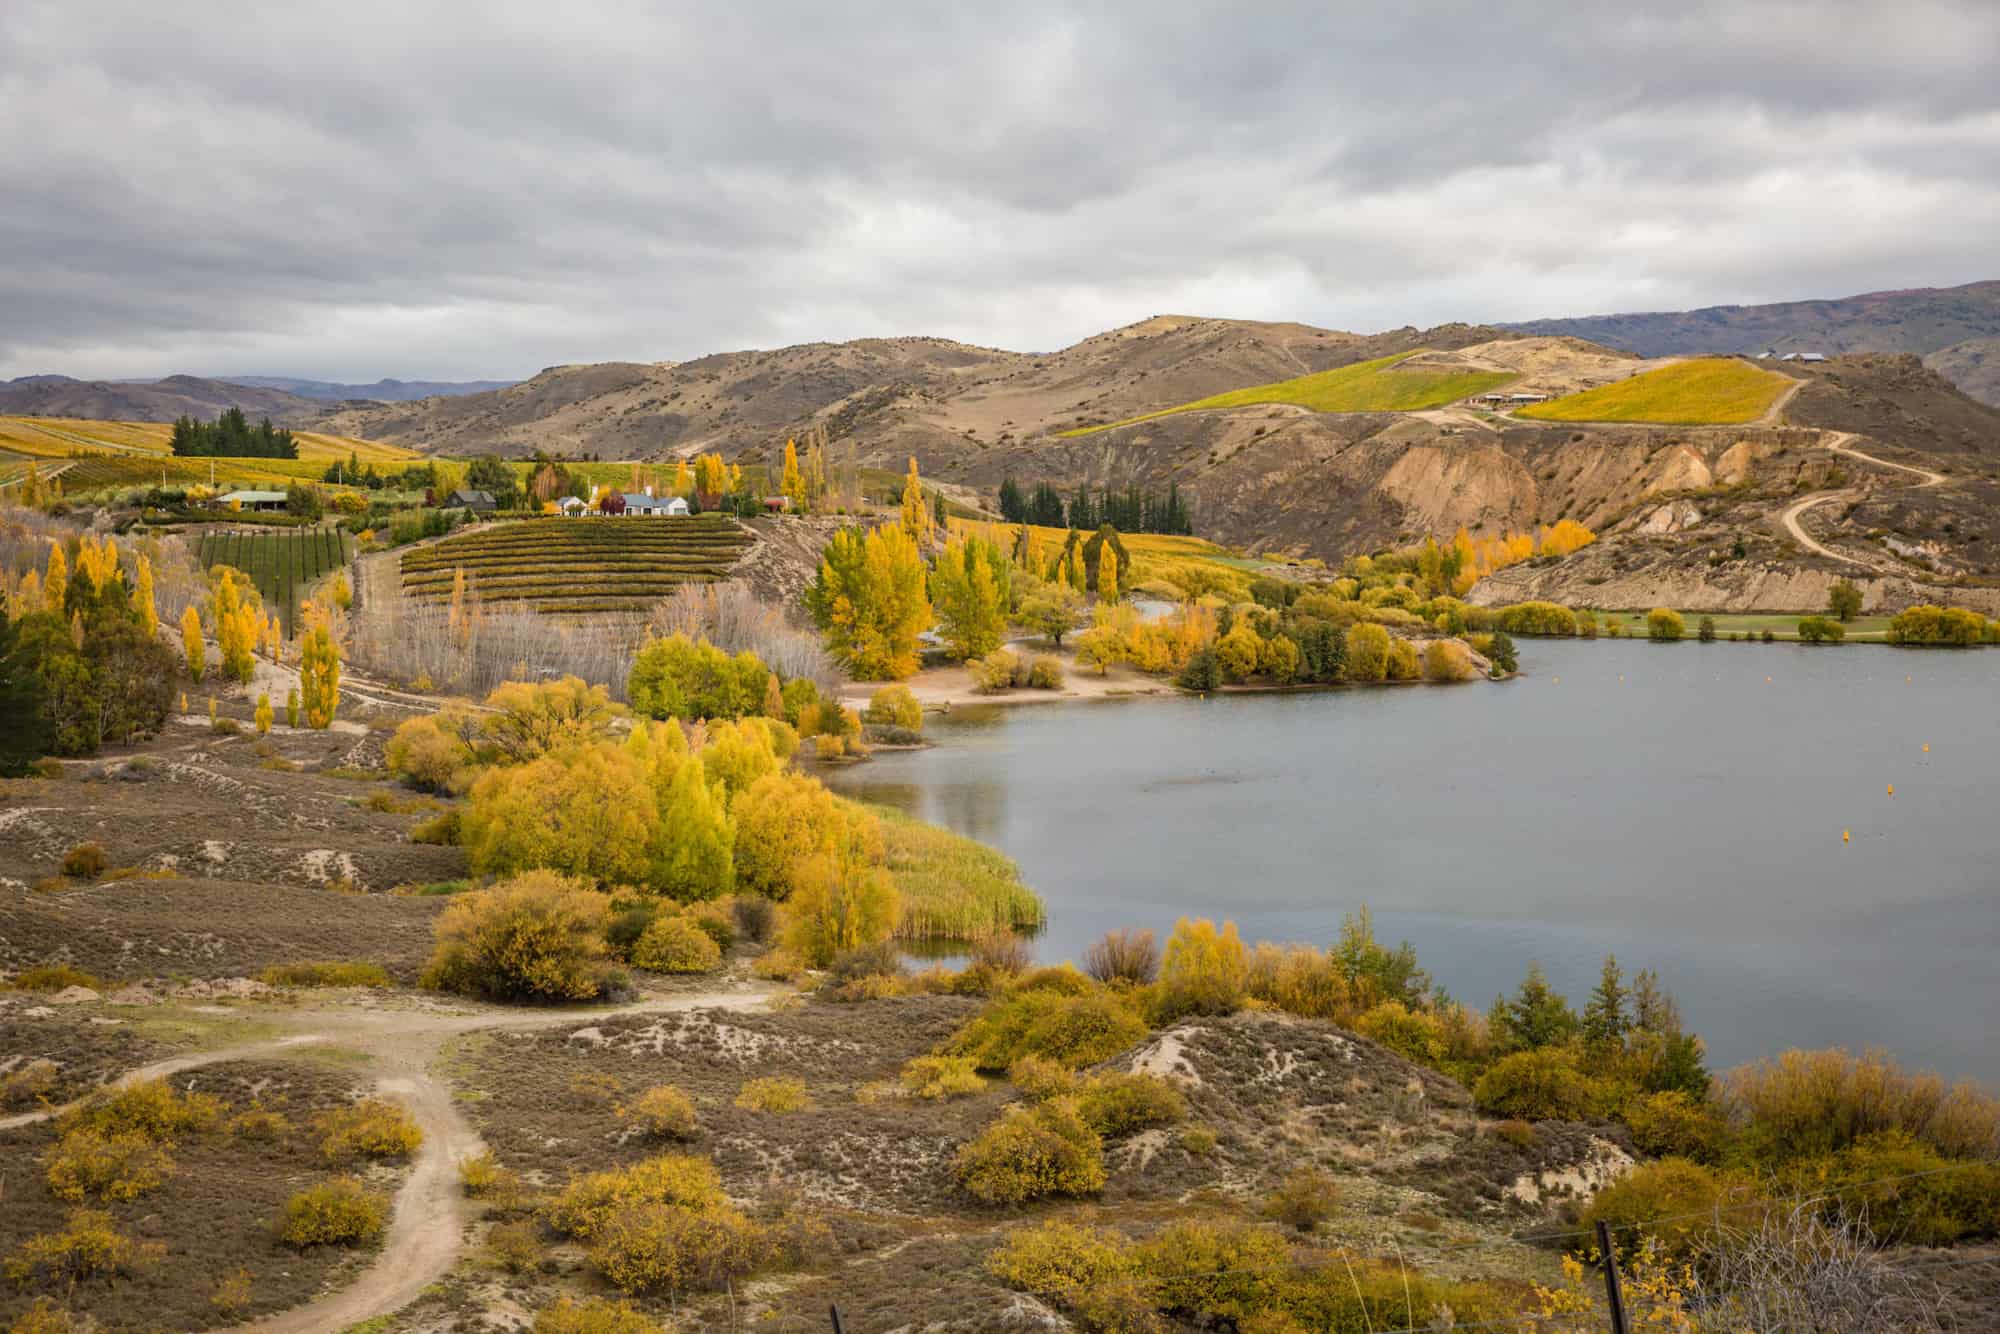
[[1665, 803]]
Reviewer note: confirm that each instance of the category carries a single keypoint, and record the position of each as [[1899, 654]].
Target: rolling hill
[[158, 401], [1957, 324], [381, 391], [1704, 391]]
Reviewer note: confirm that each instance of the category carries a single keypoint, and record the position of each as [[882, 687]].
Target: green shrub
[[895, 706], [934, 1078], [538, 937], [777, 1095], [1672, 1124], [370, 1128], [676, 945], [1039, 1077], [587, 1203], [663, 1112], [1068, 1030], [1537, 1085], [322, 973], [1303, 1200], [596, 1316], [85, 861], [1674, 1201], [1821, 630], [1229, 1270], [1116, 1104], [120, 1166], [340, 1212], [1031, 1153], [1932, 627]]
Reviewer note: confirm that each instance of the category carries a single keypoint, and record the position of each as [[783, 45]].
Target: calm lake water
[[1665, 803]]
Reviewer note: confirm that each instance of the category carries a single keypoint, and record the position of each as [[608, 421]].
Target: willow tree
[[970, 590], [870, 602]]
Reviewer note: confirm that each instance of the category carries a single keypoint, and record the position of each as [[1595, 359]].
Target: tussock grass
[[325, 973], [1367, 386], [953, 888], [1716, 391]]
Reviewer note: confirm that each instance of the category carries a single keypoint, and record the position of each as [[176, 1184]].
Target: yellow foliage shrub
[[90, 1246], [895, 706], [596, 1316], [120, 1166], [1055, 1259], [776, 1094], [1205, 971], [1116, 1104], [676, 945], [657, 1248], [1031, 1153], [370, 1128], [340, 1212], [663, 1112], [537, 937], [1064, 1029], [152, 1109], [588, 1202], [937, 1077]]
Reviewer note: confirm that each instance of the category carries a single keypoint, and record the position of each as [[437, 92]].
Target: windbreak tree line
[[1131, 511], [231, 436]]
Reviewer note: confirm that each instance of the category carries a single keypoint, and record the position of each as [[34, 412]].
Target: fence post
[[838, 1328], [1611, 1289]]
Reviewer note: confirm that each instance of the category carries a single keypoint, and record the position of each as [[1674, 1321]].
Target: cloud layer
[[441, 191]]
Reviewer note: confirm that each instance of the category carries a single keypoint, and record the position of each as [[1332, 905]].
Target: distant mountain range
[[1956, 330], [382, 391], [285, 399]]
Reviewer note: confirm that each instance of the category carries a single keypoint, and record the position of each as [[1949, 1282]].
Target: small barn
[[251, 500], [675, 507], [479, 502]]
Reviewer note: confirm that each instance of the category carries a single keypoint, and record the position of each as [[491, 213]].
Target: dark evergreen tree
[[1082, 513], [25, 731], [1604, 1018], [1013, 507]]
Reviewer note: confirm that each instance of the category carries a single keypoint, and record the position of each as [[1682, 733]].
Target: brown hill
[[1973, 366], [1920, 320], [158, 401]]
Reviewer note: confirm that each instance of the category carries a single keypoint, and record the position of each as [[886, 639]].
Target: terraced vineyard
[[566, 565], [283, 563]]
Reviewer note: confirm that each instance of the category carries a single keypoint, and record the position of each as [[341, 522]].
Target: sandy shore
[[950, 687]]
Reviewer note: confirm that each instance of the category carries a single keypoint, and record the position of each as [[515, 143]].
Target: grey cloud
[[418, 190]]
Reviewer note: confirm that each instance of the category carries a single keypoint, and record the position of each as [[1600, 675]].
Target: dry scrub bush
[[1124, 956], [1677, 1203], [1039, 1077], [895, 706], [538, 937], [323, 973], [675, 945], [434, 752], [934, 1078], [1806, 1103], [44, 1318], [599, 1315], [1205, 971], [1045, 672], [1412, 1034], [54, 977], [1056, 1259], [33, 1083], [1116, 1104], [999, 953], [258, 1122], [778, 965], [1031, 1153], [652, 1248], [776, 1094], [588, 1202], [755, 917], [151, 1109], [1198, 1140], [233, 1294], [663, 1112], [1301, 980], [1670, 1123], [84, 861], [514, 1248], [90, 1246], [1539, 1085], [1068, 1030], [1303, 1200], [121, 1166], [340, 1212], [482, 1175], [370, 1128]]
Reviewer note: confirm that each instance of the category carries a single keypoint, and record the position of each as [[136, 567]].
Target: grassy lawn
[[1368, 386], [1705, 391], [1783, 625]]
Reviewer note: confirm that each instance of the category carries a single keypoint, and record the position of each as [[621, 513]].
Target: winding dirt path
[[427, 1224], [1837, 442]]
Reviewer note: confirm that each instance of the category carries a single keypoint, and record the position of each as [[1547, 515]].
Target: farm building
[[645, 502], [252, 500], [571, 506], [777, 504], [479, 502]]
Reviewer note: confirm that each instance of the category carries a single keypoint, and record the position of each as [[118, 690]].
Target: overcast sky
[[457, 191]]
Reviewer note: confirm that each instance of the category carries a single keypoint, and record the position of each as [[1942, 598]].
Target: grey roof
[[465, 497], [254, 497]]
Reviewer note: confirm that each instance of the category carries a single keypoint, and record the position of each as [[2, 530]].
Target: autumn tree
[[683, 479], [970, 587], [319, 676], [916, 515], [843, 898], [55, 582], [526, 720], [871, 603], [1367, 657], [1107, 575], [794, 481], [588, 811], [192, 643], [1843, 600], [263, 713], [236, 626], [711, 475], [142, 600], [1052, 610]]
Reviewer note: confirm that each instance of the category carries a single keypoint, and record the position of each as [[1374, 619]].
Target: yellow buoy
[[1767, 680], [1621, 678], [1843, 836], [1906, 680], [1556, 681], [1927, 747], [1892, 789]]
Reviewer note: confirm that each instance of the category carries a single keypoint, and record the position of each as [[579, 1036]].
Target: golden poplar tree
[[191, 641], [319, 676], [871, 601], [142, 600], [794, 482], [1107, 574], [916, 514], [711, 475], [291, 707], [55, 583], [263, 713], [683, 479]]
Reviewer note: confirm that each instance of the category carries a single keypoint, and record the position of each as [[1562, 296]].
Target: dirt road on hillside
[[1837, 443]]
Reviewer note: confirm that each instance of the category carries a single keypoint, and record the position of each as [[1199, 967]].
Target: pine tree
[[319, 677], [191, 642], [55, 584], [1537, 1016], [1012, 508], [1604, 1018], [142, 600], [1107, 574], [794, 483]]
